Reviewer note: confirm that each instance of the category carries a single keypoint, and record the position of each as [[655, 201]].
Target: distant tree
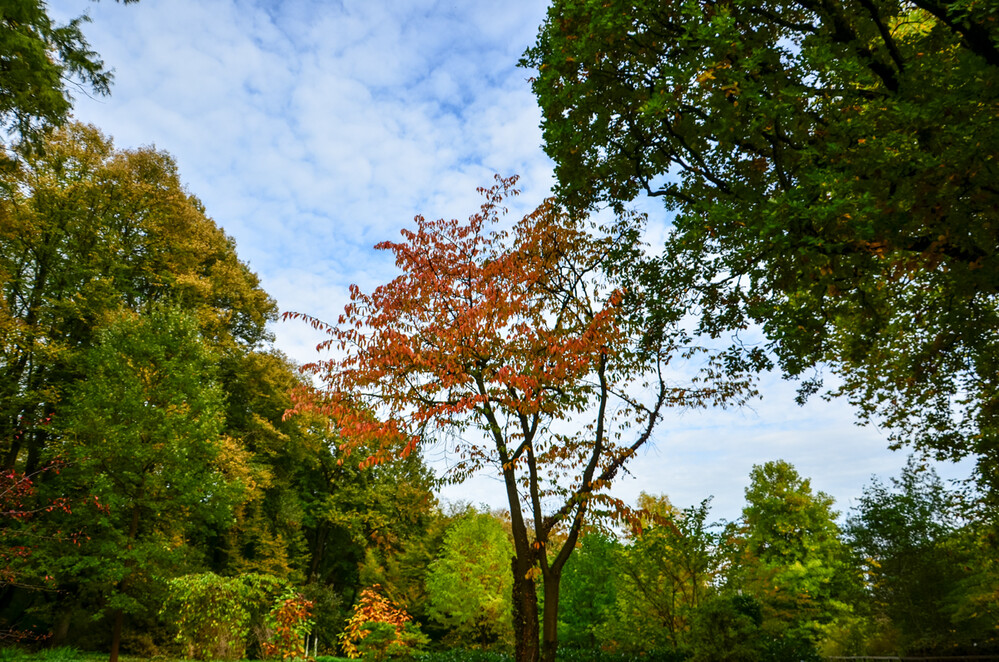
[[790, 559], [517, 350], [665, 574], [931, 574], [832, 171], [469, 586], [589, 591]]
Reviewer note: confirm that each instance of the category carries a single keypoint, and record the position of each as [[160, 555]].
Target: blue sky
[[312, 130]]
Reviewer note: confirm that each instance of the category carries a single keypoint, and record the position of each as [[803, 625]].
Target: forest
[[174, 486]]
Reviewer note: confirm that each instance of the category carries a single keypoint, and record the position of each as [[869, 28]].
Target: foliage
[[40, 61], [506, 333], [589, 591], [211, 615], [291, 622], [726, 628], [89, 231], [663, 576], [930, 573], [142, 433], [832, 169], [469, 585], [390, 625], [790, 558]]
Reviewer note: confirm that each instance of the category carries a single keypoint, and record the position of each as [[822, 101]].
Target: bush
[[380, 630], [213, 614], [289, 622]]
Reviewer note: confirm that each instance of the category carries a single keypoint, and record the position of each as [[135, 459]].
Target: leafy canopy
[[831, 169], [39, 60]]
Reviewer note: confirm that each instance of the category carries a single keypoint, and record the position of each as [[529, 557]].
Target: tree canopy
[[39, 60], [831, 169]]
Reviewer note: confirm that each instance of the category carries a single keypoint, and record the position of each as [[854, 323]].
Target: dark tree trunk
[[525, 612], [549, 630], [119, 617]]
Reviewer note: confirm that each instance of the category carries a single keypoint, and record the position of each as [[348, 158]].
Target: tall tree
[[142, 432], [927, 567], [791, 559], [88, 230], [517, 350], [832, 171], [90, 236]]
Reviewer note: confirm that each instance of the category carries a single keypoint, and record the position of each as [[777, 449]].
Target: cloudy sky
[[314, 129]]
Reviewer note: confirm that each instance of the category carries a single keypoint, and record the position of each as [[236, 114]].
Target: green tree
[[790, 559], [830, 168], [664, 575], [89, 237], [88, 230], [39, 61], [142, 433], [469, 585], [589, 592], [930, 573]]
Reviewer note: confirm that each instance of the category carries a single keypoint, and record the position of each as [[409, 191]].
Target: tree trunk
[[119, 617], [525, 612], [549, 631]]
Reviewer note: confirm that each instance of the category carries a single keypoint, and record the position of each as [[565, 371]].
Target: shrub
[[389, 628], [290, 622], [213, 614]]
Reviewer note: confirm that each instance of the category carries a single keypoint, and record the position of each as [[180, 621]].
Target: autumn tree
[[520, 353], [830, 169], [92, 237]]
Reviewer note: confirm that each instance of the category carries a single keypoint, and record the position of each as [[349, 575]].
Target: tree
[[589, 591], [469, 586], [38, 62], [88, 230], [90, 237], [517, 349], [143, 434], [665, 574], [791, 559], [831, 167], [930, 574]]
